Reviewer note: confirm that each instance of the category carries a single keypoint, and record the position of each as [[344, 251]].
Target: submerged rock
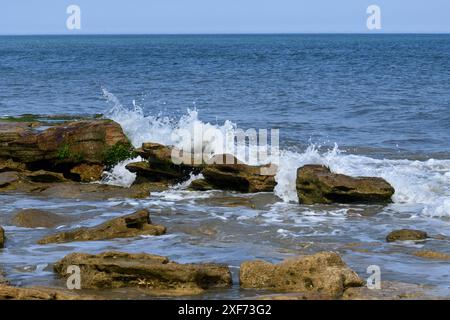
[[132, 225], [151, 272], [433, 255], [2, 238], [406, 235], [323, 273], [33, 218], [317, 184], [237, 176]]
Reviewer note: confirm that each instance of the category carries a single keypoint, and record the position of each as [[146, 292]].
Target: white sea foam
[[119, 175], [425, 185]]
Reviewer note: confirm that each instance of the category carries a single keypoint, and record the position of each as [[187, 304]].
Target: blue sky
[[222, 16]]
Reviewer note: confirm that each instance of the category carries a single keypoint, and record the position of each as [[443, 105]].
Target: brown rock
[[389, 291], [434, 255], [42, 176], [33, 218], [10, 165], [2, 238], [155, 273], [88, 172], [15, 293], [200, 185], [238, 176], [323, 273], [8, 178], [317, 184], [132, 225], [406, 235]]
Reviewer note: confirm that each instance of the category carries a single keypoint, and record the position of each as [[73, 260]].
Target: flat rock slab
[[317, 184], [325, 273], [151, 272], [34, 218], [132, 225], [16, 293]]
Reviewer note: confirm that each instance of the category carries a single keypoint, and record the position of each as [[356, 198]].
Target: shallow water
[[363, 105]]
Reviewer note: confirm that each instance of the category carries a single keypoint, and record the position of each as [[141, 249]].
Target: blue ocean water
[[381, 95]]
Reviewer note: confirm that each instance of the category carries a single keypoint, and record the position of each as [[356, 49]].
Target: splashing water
[[423, 185]]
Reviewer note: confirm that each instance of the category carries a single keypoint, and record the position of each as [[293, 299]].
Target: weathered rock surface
[[132, 225], [323, 273], [200, 185], [433, 255], [2, 238], [88, 172], [10, 165], [15, 293], [34, 218], [238, 177], [151, 272], [389, 291], [43, 176], [317, 184], [406, 235]]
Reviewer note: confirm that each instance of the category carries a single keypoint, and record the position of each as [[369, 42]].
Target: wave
[[420, 185]]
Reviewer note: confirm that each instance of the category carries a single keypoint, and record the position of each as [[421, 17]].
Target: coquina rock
[[237, 176], [132, 225], [87, 141], [317, 184], [406, 235], [325, 273], [34, 218], [146, 271], [2, 237]]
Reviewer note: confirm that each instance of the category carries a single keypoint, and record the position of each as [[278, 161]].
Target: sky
[[222, 16]]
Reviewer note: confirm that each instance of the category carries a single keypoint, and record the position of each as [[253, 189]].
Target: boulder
[[15, 293], [237, 176], [161, 164], [325, 273], [317, 184], [33, 218], [2, 237], [146, 271], [88, 172], [406, 235], [200, 185], [132, 225], [87, 141]]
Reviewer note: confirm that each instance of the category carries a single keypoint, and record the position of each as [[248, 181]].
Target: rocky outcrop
[[15, 293], [161, 164], [406, 235], [2, 237], [323, 273], [34, 218], [132, 225], [236, 176], [146, 271], [317, 184], [88, 172]]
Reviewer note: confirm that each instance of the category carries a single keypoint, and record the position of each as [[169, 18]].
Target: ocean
[[369, 105]]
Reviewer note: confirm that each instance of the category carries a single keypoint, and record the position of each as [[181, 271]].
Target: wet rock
[[389, 291], [323, 273], [15, 293], [200, 185], [132, 225], [2, 238], [87, 141], [406, 235], [238, 177], [151, 272], [33, 218], [317, 184], [294, 296], [433, 255], [88, 172], [45, 176], [8, 178], [10, 165]]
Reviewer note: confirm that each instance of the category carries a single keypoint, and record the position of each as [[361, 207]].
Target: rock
[[2, 238], [238, 177], [14, 293], [132, 225], [161, 164], [8, 178], [88, 172], [428, 254], [389, 291], [45, 176], [10, 165], [151, 272], [317, 184], [323, 273], [87, 141], [33, 218], [294, 296], [200, 185], [406, 235]]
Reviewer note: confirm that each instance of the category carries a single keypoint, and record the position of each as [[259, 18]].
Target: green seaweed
[[118, 153]]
